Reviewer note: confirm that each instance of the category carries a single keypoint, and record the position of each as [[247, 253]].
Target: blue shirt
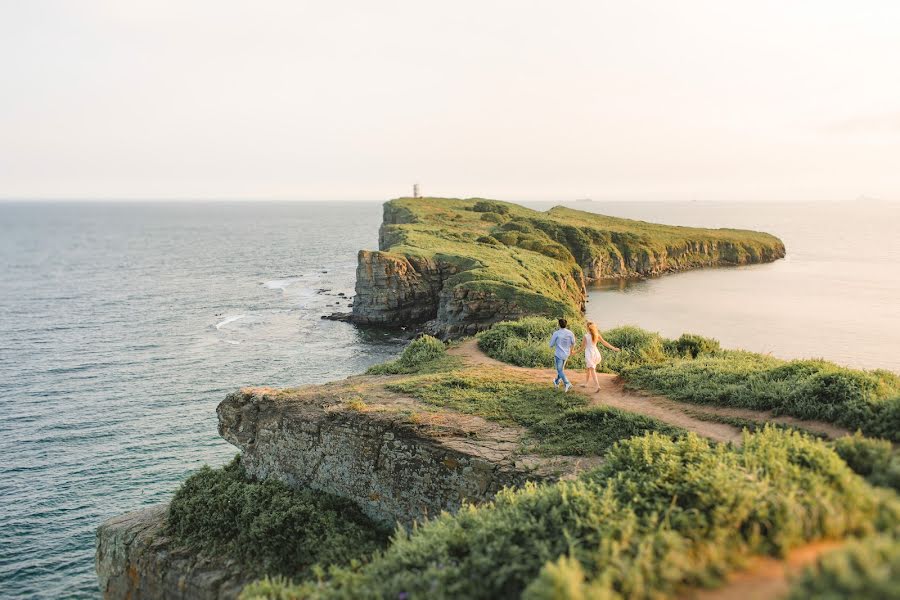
[[563, 340]]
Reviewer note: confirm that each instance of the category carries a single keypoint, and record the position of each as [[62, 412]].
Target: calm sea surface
[[123, 325]]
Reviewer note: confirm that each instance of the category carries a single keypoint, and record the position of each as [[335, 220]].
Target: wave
[[278, 284], [228, 320], [235, 342]]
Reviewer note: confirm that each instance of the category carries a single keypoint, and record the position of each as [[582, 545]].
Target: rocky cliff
[[458, 266], [397, 459], [396, 463], [136, 560]]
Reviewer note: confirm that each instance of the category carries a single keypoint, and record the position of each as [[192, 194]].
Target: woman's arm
[[608, 345]]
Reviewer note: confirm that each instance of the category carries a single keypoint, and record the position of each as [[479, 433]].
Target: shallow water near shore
[[123, 325]]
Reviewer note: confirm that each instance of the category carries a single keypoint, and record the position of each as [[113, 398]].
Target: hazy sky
[[727, 100]]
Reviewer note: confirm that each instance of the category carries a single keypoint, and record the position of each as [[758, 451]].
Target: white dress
[[591, 353]]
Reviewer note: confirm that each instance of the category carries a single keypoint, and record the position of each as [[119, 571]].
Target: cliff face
[[393, 289], [395, 469], [136, 561], [458, 266]]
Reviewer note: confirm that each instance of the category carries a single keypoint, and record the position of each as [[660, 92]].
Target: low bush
[[525, 343], [690, 345], [266, 526], [425, 354], [868, 569], [658, 516], [489, 206], [874, 459]]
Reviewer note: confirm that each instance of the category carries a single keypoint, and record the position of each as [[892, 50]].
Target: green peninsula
[[459, 266]]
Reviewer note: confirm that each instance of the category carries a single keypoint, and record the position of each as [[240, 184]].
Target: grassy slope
[[659, 515], [533, 257]]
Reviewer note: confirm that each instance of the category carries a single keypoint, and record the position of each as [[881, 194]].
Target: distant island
[[458, 266]]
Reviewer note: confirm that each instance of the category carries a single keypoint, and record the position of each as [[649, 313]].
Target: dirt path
[[765, 577], [613, 393]]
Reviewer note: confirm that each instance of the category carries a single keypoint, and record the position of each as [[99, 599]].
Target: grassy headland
[[517, 261]]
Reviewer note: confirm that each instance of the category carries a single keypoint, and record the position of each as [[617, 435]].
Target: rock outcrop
[[136, 561], [397, 460]]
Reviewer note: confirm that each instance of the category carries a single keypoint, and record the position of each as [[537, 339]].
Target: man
[[562, 342]]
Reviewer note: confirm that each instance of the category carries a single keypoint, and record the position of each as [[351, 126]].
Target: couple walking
[[563, 342]]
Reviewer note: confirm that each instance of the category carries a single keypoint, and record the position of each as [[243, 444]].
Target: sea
[[122, 325]]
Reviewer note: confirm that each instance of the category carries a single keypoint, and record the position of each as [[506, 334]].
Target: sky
[[519, 100]]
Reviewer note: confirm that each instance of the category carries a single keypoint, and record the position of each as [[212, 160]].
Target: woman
[[592, 354]]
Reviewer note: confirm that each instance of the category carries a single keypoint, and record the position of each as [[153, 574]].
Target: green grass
[[658, 516], [425, 354], [695, 369], [868, 569], [524, 343], [876, 460], [808, 389], [266, 526], [536, 261], [557, 423]]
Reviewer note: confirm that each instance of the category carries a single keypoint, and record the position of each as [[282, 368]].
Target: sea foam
[[228, 320]]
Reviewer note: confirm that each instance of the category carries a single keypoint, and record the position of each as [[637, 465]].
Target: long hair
[[595, 335]]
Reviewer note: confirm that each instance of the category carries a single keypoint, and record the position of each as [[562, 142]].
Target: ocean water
[[123, 325], [121, 328], [836, 295]]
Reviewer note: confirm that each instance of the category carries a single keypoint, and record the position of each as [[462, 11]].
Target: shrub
[[487, 206], [423, 354], [493, 217], [266, 526], [692, 346], [874, 459], [525, 342], [868, 569], [659, 515]]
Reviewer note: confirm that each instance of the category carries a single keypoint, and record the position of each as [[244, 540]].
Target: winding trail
[[613, 393]]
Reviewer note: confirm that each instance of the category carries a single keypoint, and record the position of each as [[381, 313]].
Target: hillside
[[460, 265]]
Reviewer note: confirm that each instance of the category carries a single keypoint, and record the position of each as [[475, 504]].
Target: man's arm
[[553, 338]]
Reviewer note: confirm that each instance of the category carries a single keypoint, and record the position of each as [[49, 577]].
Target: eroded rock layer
[[136, 560], [396, 464]]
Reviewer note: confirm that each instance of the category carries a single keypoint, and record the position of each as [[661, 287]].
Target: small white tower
[[415, 190]]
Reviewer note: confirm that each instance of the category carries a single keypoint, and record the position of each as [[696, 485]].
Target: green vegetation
[[808, 389], [425, 354], [536, 261], [557, 423], [695, 369], [876, 460], [659, 515], [865, 570], [266, 526]]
